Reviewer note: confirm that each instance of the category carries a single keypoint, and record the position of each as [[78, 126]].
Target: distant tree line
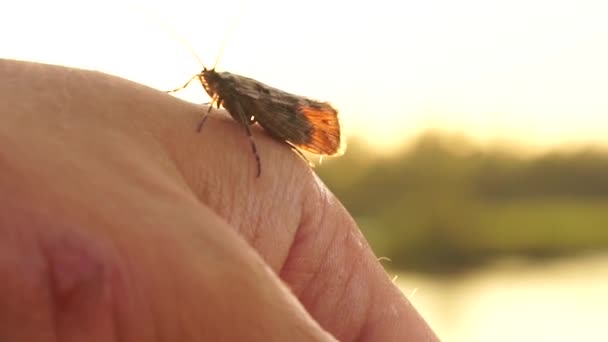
[[444, 204]]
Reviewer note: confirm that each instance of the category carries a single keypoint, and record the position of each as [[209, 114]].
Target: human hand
[[119, 222]]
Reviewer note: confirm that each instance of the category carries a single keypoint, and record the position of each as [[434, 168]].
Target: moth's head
[[210, 80], [209, 74]]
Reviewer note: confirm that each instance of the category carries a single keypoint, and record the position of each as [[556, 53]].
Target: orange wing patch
[[325, 137]]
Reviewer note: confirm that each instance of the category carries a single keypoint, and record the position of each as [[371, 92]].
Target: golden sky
[[532, 71]]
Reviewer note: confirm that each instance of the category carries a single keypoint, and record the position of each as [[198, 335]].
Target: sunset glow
[[532, 72]]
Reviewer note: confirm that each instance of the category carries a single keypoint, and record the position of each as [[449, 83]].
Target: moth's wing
[[307, 124]]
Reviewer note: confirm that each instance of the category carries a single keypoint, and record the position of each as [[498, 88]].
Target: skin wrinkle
[[343, 302], [370, 324], [251, 232], [305, 231], [299, 238], [264, 220], [372, 298], [174, 150], [223, 198], [369, 294], [312, 303], [281, 261], [328, 265], [325, 198], [350, 284]]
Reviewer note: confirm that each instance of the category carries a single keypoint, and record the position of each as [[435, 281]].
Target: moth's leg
[[184, 86], [200, 125], [245, 122], [298, 152]]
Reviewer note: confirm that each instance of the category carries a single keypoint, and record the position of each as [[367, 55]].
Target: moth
[[300, 122]]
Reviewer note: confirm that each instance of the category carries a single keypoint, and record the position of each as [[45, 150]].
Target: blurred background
[[477, 159]]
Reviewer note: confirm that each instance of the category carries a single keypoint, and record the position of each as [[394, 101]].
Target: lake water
[[555, 301]]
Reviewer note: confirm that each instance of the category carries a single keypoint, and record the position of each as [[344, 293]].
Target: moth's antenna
[[188, 46], [173, 34], [229, 33]]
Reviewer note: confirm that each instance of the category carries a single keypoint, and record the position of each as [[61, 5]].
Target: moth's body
[[303, 123], [307, 124]]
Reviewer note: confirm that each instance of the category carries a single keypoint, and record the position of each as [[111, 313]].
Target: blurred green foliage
[[445, 205]]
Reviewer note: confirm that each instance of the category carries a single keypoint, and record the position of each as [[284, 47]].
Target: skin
[[118, 222]]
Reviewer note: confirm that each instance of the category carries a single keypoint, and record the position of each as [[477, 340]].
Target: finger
[[332, 269]]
